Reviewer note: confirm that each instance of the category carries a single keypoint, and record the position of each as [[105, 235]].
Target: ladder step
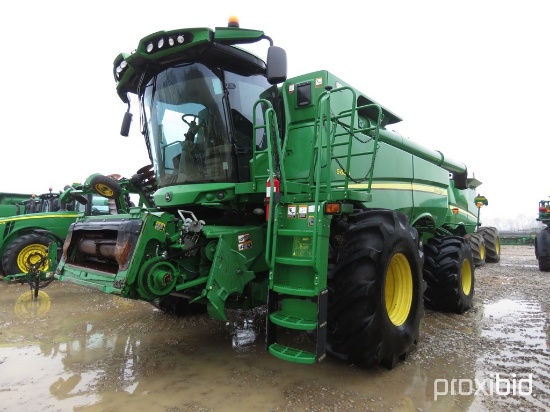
[[294, 261], [292, 322], [296, 313], [295, 291], [292, 355]]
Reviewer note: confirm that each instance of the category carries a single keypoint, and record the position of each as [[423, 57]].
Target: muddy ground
[[80, 350]]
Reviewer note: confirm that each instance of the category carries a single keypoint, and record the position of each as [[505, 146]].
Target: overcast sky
[[469, 78]]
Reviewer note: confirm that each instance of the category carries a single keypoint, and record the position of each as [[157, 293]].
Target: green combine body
[[289, 194], [542, 241]]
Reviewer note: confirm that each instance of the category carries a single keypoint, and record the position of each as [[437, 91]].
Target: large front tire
[[449, 274], [25, 251], [375, 288]]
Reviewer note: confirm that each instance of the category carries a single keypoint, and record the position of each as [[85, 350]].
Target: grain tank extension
[[283, 193]]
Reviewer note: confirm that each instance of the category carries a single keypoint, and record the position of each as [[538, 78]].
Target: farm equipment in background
[[25, 238], [12, 203], [284, 194], [542, 241], [518, 237]]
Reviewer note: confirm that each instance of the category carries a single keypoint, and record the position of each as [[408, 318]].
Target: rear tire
[[477, 246], [375, 288], [449, 274], [24, 250], [492, 243]]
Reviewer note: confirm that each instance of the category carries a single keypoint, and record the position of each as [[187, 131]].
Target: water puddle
[[515, 365], [75, 349]]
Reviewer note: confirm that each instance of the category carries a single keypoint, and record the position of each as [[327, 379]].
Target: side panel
[[392, 186], [430, 191], [462, 211]]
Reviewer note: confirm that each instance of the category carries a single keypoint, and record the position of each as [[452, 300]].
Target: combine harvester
[[283, 193]]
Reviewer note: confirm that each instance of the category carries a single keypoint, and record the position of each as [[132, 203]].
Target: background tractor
[[24, 237], [288, 194], [542, 241], [12, 203], [45, 219]]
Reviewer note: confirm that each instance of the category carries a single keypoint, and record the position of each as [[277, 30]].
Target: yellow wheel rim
[[398, 291], [32, 254], [466, 277], [482, 252], [104, 190]]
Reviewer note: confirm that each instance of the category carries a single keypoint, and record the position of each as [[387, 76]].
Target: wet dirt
[[75, 349]]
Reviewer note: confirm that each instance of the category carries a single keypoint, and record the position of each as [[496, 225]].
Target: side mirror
[[126, 122], [276, 65]]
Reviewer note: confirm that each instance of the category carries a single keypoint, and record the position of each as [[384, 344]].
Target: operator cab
[[198, 120]]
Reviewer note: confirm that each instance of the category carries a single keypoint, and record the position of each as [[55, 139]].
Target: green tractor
[[287, 195], [12, 203], [45, 219], [542, 241], [26, 234]]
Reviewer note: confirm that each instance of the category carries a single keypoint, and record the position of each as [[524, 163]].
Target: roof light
[[160, 43], [180, 38], [150, 47], [233, 22], [171, 41]]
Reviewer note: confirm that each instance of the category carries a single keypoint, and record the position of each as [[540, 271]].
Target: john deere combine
[[284, 193]]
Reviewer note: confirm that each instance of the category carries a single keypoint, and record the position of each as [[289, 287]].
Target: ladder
[[298, 228]]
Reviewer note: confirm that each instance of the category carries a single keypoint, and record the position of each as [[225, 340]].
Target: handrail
[[324, 100], [270, 126]]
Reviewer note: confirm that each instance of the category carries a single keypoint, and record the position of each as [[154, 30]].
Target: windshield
[[193, 134]]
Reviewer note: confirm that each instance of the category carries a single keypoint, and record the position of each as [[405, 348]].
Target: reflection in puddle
[[27, 306], [26, 381]]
